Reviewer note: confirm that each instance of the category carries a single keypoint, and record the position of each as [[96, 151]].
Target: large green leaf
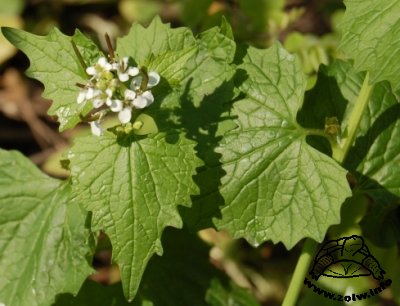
[[133, 186], [374, 158], [276, 186], [55, 64], [371, 36], [43, 245]]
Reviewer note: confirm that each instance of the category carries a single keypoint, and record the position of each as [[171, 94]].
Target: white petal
[[96, 129], [102, 61], [154, 79], [98, 103], [125, 115], [109, 102], [91, 70], [108, 67], [115, 66], [90, 93], [129, 94], [81, 96], [116, 106], [123, 77], [133, 71], [140, 102], [109, 92], [136, 81], [148, 96]]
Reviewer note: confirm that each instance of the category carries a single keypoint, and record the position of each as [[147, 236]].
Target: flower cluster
[[116, 87]]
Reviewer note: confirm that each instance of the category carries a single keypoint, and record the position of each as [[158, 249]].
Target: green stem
[[340, 152], [300, 271]]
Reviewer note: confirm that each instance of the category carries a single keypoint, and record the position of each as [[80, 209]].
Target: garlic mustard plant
[[237, 143]]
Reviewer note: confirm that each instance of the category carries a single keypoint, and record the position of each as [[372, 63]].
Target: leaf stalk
[[340, 151]]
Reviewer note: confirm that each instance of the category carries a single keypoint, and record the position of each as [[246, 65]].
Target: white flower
[[154, 79], [101, 66], [125, 115], [96, 128], [124, 71]]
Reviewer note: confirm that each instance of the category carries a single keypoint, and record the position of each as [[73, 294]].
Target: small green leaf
[[55, 64], [276, 186], [133, 186], [371, 36], [43, 244]]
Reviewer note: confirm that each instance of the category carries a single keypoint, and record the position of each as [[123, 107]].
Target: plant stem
[[300, 271], [340, 153]]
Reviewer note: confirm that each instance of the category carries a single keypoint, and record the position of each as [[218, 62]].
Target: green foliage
[[44, 242], [227, 143], [371, 37]]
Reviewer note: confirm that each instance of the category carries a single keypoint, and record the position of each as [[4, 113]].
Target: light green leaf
[[371, 37], [276, 186], [133, 186], [55, 64], [43, 245]]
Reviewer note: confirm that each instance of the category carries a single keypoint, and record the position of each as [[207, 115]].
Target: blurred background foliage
[[305, 27]]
